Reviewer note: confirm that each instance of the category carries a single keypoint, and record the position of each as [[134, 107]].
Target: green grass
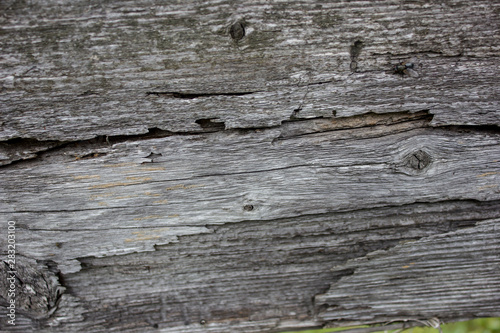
[[482, 325]]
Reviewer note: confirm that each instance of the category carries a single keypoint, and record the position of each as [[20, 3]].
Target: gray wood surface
[[249, 166]]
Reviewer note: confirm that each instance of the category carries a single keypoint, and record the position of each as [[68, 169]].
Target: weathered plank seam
[[157, 133]]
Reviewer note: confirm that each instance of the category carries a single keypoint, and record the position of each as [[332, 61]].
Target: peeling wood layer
[[21, 149]]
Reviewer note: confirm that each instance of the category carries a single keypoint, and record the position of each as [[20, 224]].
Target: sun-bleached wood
[[250, 166]]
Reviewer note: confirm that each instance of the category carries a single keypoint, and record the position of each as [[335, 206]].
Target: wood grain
[[73, 72], [249, 166], [442, 262]]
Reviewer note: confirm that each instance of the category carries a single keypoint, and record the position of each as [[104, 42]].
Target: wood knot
[[237, 31], [419, 160], [34, 286]]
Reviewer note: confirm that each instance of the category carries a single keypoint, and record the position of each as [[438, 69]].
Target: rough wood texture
[[81, 70], [249, 167]]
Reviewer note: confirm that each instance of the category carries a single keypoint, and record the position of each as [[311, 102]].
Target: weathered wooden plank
[[76, 71], [230, 171], [435, 267], [179, 198], [252, 168], [249, 166], [262, 275]]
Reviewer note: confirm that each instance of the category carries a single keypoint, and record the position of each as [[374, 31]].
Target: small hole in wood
[[355, 50], [248, 208], [211, 124], [203, 322]]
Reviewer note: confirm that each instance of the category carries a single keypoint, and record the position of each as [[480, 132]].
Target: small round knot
[[248, 208], [419, 160], [237, 31]]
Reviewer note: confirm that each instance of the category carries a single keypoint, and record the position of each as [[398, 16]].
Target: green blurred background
[[482, 325]]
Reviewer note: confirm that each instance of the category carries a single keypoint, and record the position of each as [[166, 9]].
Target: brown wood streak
[[220, 167]]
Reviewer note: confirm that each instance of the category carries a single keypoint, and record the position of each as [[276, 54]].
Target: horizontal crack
[[489, 129], [316, 83], [25, 149], [83, 149], [299, 127], [182, 95]]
